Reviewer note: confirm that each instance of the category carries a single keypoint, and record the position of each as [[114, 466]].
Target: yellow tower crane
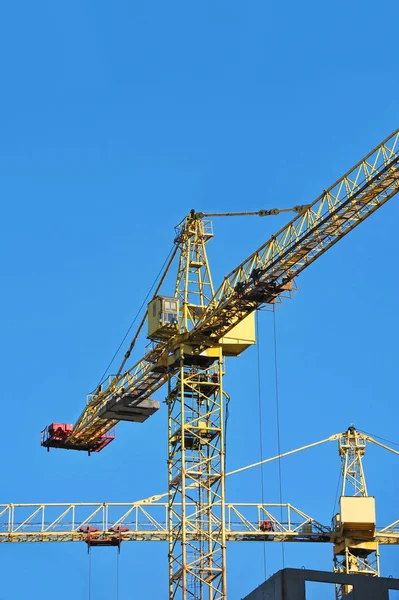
[[353, 532], [191, 331]]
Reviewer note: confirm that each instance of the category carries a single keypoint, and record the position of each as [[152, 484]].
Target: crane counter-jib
[[263, 278]]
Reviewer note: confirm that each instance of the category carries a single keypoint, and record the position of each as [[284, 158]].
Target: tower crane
[[353, 532], [191, 332]]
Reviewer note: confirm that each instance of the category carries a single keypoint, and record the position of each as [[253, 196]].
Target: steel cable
[[117, 574], [89, 574], [336, 494], [172, 251], [260, 432], [278, 423], [378, 437]]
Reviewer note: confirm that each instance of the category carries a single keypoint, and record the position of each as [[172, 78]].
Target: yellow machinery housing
[[240, 337], [356, 516]]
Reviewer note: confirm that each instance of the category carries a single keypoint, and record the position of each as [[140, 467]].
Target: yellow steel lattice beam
[[140, 521], [264, 276]]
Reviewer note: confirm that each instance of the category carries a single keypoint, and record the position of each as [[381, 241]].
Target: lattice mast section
[[197, 534], [352, 446], [194, 286], [357, 551]]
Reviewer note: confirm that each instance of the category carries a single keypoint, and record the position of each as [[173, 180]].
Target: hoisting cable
[[257, 336], [117, 574], [165, 267], [226, 420], [89, 574], [278, 422]]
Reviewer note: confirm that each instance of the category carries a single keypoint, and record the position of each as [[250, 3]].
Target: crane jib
[[275, 264], [261, 279]]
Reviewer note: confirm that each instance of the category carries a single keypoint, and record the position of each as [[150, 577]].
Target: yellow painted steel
[[356, 544], [195, 521], [344, 205], [263, 278], [197, 564], [241, 337], [209, 326], [148, 521], [194, 287], [163, 314], [357, 515]]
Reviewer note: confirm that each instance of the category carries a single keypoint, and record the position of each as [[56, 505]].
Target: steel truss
[[197, 545], [353, 555], [261, 279], [190, 361], [148, 521]]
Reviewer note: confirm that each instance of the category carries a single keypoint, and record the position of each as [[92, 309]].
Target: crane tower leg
[[197, 536]]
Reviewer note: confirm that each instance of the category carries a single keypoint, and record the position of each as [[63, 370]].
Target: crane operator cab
[[163, 317]]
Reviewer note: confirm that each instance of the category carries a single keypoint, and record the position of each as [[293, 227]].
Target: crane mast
[[190, 335], [197, 564], [356, 546], [194, 287]]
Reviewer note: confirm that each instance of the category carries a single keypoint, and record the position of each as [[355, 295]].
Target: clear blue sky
[[117, 119]]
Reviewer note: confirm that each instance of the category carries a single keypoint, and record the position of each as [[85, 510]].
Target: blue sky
[[117, 119]]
